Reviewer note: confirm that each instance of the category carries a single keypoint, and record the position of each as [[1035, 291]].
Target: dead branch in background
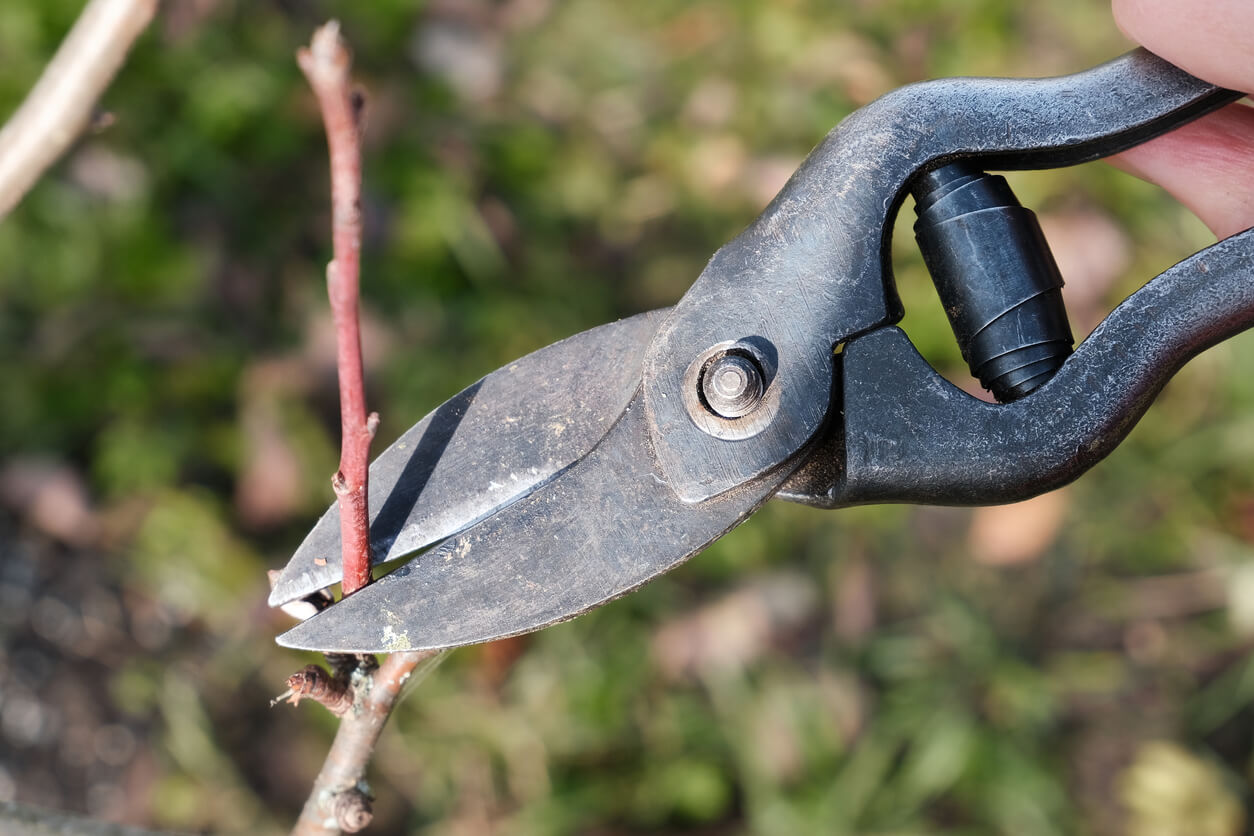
[[59, 106], [360, 693]]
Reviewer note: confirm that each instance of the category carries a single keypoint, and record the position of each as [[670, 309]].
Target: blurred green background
[[1076, 664]]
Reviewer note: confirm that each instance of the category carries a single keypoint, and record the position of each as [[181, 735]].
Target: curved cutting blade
[[484, 448], [598, 530]]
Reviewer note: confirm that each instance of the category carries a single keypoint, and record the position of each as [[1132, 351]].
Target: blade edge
[[602, 528], [494, 442]]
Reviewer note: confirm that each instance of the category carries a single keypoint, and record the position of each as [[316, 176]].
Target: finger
[[1206, 165], [1212, 39]]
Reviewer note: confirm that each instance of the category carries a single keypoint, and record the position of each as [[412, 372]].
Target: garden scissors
[[574, 475]]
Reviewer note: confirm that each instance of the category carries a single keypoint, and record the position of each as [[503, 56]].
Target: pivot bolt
[[731, 385]]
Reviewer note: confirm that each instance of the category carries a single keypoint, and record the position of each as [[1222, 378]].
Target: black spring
[[995, 276]]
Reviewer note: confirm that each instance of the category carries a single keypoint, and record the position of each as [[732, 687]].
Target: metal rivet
[[731, 385]]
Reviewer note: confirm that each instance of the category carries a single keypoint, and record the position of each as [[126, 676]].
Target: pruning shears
[[582, 471]]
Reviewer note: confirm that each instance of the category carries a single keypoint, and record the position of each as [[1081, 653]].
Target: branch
[[359, 693], [340, 799], [326, 64], [59, 106]]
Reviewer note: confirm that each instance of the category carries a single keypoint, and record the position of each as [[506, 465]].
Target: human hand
[[1208, 165]]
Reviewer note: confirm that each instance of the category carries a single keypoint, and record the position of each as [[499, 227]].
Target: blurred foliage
[[1078, 664]]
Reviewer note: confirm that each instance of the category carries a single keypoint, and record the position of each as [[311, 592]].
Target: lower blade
[[484, 448], [598, 530]]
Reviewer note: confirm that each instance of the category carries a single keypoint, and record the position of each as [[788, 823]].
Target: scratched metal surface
[[908, 435], [597, 531], [813, 270], [488, 445]]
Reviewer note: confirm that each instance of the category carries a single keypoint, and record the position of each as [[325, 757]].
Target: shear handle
[[908, 435], [812, 271]]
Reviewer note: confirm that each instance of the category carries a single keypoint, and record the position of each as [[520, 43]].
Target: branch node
[[346, 665], [372, 424], [357, 98], [100, 121], [352, 810], [316, 684]]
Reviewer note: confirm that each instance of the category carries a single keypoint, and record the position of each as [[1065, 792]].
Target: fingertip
[[1127, 17], [1206, 166], [1209, 38]]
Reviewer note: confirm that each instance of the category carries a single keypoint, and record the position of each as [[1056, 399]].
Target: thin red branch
[[336, 802], [326, 63], [364, 696], [58, 107]]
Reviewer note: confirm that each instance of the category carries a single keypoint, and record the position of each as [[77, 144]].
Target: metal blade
[[598, 530], [484, 448]]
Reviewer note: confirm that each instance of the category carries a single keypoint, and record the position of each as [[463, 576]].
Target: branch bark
[[326, 63], [362, 695], [340, 799], [59, 106]]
